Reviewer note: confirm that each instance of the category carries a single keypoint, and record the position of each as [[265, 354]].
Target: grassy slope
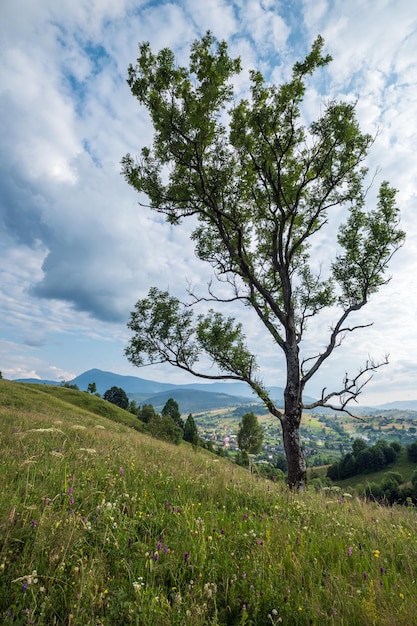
[[102, 525]]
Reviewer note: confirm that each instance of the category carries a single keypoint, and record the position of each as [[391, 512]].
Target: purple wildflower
[[186, 557], [121, 471], [350, 549]]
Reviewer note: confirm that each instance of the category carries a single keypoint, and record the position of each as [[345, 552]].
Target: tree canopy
[[261, 187], [117, 396]]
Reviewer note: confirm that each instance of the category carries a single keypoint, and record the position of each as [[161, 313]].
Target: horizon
[[207, 383]]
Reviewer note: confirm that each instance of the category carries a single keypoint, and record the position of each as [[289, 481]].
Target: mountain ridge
[[142, 389]]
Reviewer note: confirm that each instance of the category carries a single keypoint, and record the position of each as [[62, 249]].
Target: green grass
[[103, 525]]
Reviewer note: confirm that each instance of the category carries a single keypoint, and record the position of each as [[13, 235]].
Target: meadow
[[101, 524]]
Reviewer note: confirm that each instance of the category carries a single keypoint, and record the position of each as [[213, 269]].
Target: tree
[[172, 409], [250, 435], [117, 396], [358, 445], [412, 451], [147, 413], [190, 430], [260, 187], [134, 408], [164, 427], [92, 388]]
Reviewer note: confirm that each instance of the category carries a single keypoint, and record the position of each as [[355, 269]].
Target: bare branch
[[352, 388], [337, 343]]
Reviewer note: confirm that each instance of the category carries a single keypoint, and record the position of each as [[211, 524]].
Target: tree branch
[[352, 388]]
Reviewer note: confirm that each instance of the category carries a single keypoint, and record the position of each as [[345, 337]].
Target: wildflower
[[402, 596], [376, 554], [156, 557], [186, 557], [34, 523], [245, 516], [243, 574], [138, 584], [121, 471], [350, 549]]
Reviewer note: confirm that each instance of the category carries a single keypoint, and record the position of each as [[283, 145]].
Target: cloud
[[78, 250]]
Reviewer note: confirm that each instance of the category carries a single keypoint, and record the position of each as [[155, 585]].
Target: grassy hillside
[[102, 525]]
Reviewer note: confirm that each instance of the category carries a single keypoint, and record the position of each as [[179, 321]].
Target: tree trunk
[[290, 422], [297, 468]]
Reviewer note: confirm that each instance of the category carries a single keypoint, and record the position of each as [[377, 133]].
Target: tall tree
[[172, 409], [190, 430], [260, 188], [250, 435]]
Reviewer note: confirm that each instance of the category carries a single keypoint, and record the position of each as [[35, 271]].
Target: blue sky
[[77, 251]]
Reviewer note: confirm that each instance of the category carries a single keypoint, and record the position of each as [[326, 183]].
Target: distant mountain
[[106, 380], [37, 381], [142, 390], [192, 401], [400, 405]]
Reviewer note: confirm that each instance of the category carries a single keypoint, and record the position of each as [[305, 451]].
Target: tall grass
[[102, 525]]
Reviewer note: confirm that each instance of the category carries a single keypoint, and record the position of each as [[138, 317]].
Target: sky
[[76, 249]]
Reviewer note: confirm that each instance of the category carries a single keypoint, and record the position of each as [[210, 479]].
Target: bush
[[165, 428]]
